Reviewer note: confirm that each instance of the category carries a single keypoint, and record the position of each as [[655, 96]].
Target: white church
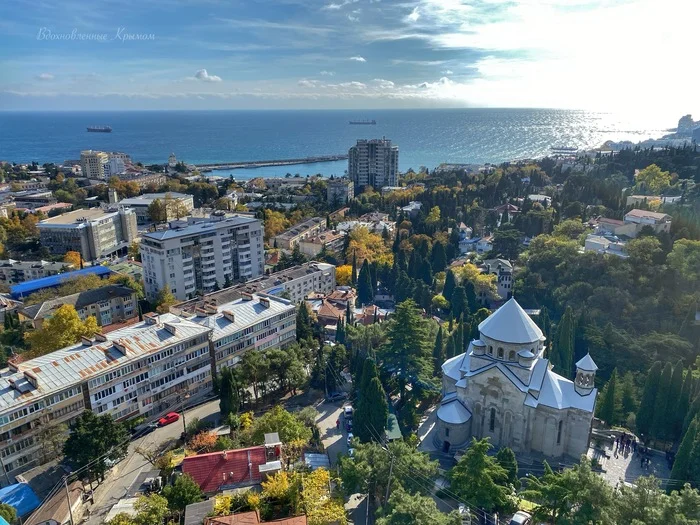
[[503, 388]]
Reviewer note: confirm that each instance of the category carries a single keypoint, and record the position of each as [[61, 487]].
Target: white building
[[374, 163], [177, 205], [601, 244], [114, 166], [503, 388], [412, 208], [93, 163], [503, 271], [15, 272], [95, 232], [289, 238], [340, 190], [194, 256]]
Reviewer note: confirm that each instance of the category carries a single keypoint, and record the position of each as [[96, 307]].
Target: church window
[[490, 350], [561, 424], [500, 352], [447, 432], [492, 420], [511, 355]]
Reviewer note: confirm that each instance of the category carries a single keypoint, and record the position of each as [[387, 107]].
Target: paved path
[[627, 467]]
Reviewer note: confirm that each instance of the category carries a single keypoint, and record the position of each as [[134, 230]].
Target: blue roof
[[29, 287], [21, 497], [3, 521]]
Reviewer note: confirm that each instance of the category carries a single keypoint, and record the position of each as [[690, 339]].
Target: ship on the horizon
[[563, 150], [363, 122], [100, 129]]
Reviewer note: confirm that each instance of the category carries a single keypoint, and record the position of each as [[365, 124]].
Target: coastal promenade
[[265, 163]]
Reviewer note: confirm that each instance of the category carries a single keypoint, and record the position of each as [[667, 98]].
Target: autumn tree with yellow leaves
[[63, 328]]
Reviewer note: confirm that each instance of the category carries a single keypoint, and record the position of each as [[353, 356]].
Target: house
[[484, 245], [55, 511], [412, 208], [231, 469], [542, 199], [504, 389], [253, 518], [633, 223], [27, 288], [330, 240], [343, 295], [468, 245], [21, 497], [602, 244], [465, 232], [503, 271]]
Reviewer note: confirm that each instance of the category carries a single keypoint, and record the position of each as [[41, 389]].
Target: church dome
[[510, 324]]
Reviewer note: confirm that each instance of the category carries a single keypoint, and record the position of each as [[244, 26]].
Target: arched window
[[511, 355], [500, 352], [490, 350], [492, 420], [561, 424], [447, 432]]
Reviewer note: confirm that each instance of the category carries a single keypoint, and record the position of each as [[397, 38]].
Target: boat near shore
[[99, 129]]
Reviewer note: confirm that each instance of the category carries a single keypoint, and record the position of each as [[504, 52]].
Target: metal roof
[[29, 287], [199, 228]]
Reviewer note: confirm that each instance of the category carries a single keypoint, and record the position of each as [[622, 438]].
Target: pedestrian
[[337, 424], [634, 445]]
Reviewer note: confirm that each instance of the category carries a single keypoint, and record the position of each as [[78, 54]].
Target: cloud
[[308, 83], [45, 76], [206, 77], [358, 59], [327, 73], [354, 16], [334, 6], [414, 16], [384, 84], [447, 72]]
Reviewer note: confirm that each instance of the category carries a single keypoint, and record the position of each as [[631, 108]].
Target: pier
[[266, 163]]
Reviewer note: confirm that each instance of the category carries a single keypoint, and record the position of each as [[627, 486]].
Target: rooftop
[[78, 216], [301, 228], [148, 198], [26, 265], [230, 468], [644, 214], [29, 287], [198, 228], [79, 300], [510, 324]]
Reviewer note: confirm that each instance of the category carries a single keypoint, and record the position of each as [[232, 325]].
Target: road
[[126, 472]]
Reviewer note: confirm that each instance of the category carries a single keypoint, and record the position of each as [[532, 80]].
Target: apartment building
[[32, 199], [293, 283], [93, 163], [140, 370], [289, 238], [374, 163], [109, 305], [95, 232], [330, 240], [340, 191], [14, 272], [253, 322], [177, 205], [200, 256]]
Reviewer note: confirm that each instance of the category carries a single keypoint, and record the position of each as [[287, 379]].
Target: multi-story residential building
[[374, 163], [143, 178], [93, 163], [114, 166], [126, 159], [109, 305], [13, 272], [253, 322], [200, 256], [140, 370], [330, 240], [177, 205], [289, 238], [293, 283], [32, 199], [503, 270], [340, 191], [95, 232]]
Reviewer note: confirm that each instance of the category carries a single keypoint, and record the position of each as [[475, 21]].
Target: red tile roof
[[223, 469], [252, 518]]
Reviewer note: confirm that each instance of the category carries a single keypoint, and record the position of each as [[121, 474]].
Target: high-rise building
[[202, 255], [374, 163], [93, 163], [339, 191]]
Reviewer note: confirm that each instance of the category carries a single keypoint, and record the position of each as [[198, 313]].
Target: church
[[504, 388]]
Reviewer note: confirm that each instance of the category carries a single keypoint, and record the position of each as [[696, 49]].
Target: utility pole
[[70, 505], [388, 483]]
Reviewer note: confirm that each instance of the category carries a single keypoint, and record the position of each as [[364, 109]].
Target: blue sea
[[426, 137]]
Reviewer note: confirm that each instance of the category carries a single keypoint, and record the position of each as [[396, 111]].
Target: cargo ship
[[363, 122], [99, 129]]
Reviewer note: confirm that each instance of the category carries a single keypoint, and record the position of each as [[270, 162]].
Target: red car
[[171, 417]]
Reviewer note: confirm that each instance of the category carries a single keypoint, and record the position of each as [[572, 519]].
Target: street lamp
[[182, 408]]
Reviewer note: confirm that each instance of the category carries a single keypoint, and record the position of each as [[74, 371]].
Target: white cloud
[[447, 72], [327, 73], [308, 83], [414, 16], [354, 16], [334, 6], [354, 85], [358, 59], [206, 77], [45, 76], [384, 84]]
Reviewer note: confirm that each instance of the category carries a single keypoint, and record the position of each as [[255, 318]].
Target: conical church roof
[[510, 324]]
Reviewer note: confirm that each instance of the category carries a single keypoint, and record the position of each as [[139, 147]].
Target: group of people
[[624, 444]]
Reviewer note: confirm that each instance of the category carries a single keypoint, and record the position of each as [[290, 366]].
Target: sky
[[624, 56]]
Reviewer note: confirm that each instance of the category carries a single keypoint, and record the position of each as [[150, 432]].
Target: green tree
[[304, 329], [438, 353], [289, 426], [450, 350], [340, 331], [372, 412], [608, 409], [681, 463], [151, 510], [506, 459], [183, 492], [364, 285], [354, 268], [459, 302], [64, 328], [164, 300], [545, 324], [660, 425], [413, 509], [645, 414], [683, 405], [479, 480], [506, 242], [563, 354], [628, 395], [673, 426], [438, 259], [645, 503], [408, 348], [8, 512], [653, 180], [93, 440], [229, 400], [449, 286], [157, 211]]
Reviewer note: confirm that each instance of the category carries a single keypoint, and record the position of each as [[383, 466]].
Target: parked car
[[168, 418], [521, 518], [347, 411], [348, 425], [350, 437], [336, 396]]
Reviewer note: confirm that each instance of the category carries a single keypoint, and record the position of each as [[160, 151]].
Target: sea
[[426, 137]]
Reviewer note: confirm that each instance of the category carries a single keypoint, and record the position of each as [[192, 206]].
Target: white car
[[350, 437], [521, 518]]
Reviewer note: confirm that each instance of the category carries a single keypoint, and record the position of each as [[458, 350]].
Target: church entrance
[[446, 447]]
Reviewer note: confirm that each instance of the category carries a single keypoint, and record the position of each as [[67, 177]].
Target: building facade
[[95, 232], [194, 257], [330, 240], [177, 205], [93, 163], [503, 271], [289, 238], [340, 191], [374, 162], [503, 388], [14, 272]]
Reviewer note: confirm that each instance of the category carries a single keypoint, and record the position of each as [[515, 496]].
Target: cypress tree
[[645, 414], [565, 343], [372, 413], [545, 324], [693, 411], [661, 422], [628, 395], [426, 272], [374, 274], [681, 463], [450, 349], [463, 337], [228, 393], [608, 409], [369, 371], [340, 331], [304, 330], [438, 353], [459, 302], [365, 293], [580, 342], [348, 313], [675, 423], [354, 268], [450, 284], [472, 301], [459, 343], [450, 322], [438, 259]]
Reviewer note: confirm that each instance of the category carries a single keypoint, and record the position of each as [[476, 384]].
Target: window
[[500, 352], [447, 432], [490, 350], [561, 424], [492, 420], [511, 355]]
